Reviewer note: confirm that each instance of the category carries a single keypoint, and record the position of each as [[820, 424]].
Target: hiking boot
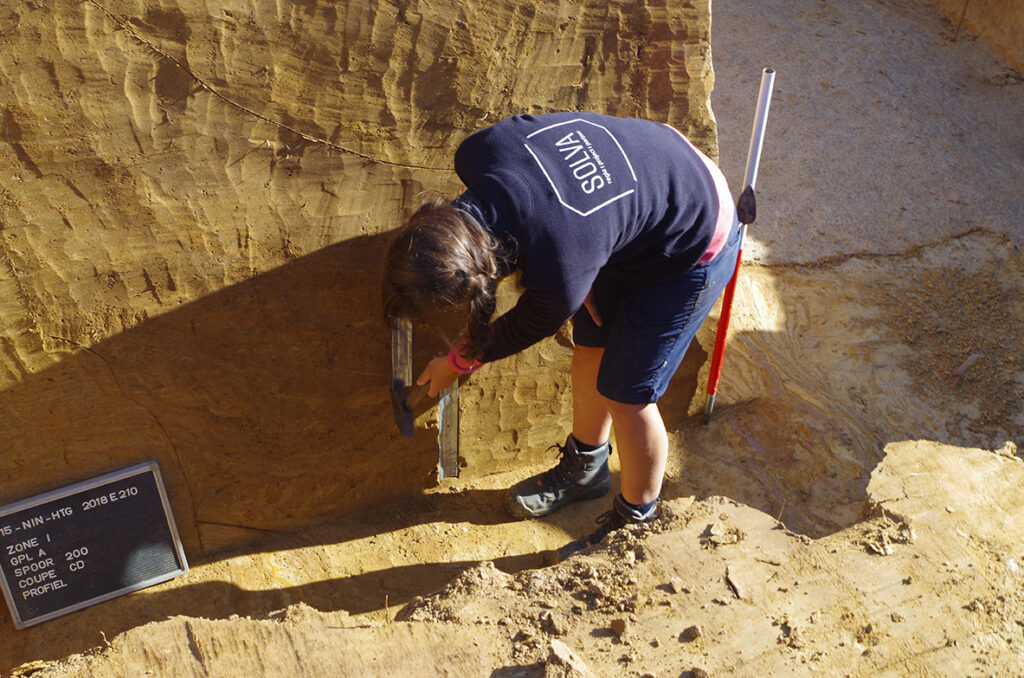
[[578, 475], [620, 515]]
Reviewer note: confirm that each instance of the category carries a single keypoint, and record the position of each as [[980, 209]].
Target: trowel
[[406, 397]]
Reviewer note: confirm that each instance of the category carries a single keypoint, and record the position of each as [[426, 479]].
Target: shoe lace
[[607, 522], [561, 473]]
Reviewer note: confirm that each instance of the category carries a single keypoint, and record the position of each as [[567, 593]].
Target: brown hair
[[440, 259]]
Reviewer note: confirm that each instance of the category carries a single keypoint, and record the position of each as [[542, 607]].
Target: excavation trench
[[192, 229]]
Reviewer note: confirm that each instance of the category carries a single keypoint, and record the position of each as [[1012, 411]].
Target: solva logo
[[581, 161]]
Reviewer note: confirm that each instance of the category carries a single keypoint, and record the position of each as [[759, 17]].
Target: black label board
[[87, 543]]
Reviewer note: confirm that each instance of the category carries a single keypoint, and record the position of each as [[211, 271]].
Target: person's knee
[[628, 410]]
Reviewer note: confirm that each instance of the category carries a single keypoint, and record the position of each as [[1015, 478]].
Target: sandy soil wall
[[194, 204], [997, 23], [854, 507]]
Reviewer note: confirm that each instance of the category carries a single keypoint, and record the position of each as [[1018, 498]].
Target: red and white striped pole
[[749, 178]]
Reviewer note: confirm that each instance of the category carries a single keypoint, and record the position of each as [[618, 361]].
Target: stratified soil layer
[[853, 508], [194, 208]]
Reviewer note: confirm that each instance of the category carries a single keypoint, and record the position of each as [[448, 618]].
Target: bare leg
[[640, 435], [642, 443], [591, 421]]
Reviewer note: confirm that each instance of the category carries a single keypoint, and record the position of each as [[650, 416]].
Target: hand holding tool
[[406, 397]]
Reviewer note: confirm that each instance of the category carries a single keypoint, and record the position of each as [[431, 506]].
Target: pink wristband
[[458, 363]]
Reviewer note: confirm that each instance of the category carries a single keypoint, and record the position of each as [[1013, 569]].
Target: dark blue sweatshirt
[[574, 194]]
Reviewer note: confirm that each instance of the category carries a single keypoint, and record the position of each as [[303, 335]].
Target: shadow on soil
[[266, 405], [241, 396]]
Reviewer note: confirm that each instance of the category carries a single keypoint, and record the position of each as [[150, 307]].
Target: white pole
[[750, 176], [764, 98]]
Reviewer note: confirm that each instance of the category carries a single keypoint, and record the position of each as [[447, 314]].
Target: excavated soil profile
[[194, 201]]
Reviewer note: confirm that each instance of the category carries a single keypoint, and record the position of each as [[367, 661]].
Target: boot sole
[[519, 511]]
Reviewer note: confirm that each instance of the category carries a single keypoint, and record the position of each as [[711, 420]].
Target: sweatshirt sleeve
[[556, 279], [558, 251], [538, 314]]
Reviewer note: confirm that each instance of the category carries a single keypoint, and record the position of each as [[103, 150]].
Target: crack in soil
[[234, 104], [839, 259], [150, 412]]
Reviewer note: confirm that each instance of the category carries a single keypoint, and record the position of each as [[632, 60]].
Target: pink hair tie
[[458, 363]]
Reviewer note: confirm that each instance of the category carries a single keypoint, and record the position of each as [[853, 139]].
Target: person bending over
[[620, 225]]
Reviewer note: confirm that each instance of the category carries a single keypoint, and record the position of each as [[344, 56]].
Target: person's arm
[[537, 315]]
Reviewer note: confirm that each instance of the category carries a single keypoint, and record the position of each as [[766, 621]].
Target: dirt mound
[[926, 585], [843, 512]]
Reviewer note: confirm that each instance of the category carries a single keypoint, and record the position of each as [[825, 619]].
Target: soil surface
[[853, 509]]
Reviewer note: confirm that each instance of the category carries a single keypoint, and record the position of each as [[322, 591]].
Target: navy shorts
[[648, 326]]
